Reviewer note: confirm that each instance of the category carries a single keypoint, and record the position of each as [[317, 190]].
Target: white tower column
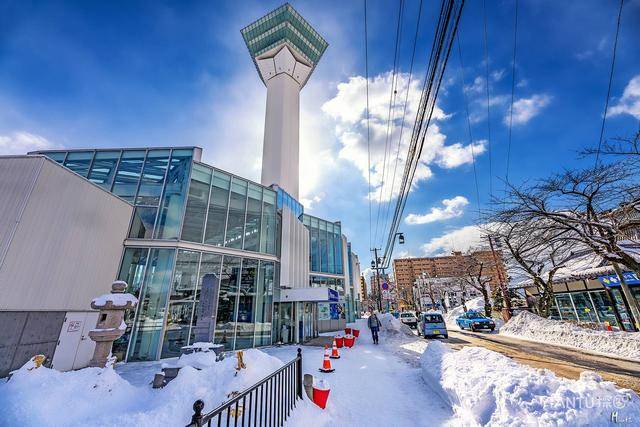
[[285, 49], [280, 150]]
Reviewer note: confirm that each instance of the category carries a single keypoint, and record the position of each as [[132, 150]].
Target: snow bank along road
[[564, 361]]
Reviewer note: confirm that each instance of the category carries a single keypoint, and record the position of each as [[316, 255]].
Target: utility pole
[[375, 264], [506, 310]]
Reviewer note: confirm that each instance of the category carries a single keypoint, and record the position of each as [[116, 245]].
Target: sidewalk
[[371, 386]]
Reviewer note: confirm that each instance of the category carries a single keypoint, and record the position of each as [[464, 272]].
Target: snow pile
[[476, 304], [529, 326], [101, 397], [392, 329], [487, 388]]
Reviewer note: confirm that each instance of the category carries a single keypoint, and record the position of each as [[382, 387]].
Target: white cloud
[[22, 142], [629, 103], [348, 111], [525, 109], [460, 239], [309, 203], [452, 208]]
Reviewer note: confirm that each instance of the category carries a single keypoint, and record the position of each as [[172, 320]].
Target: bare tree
[[476, 278], [626, 147], [578, 206], [537, 250]]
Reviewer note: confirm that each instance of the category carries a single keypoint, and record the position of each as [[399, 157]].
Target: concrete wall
[[294, 252], [61, 236], [25, 334]]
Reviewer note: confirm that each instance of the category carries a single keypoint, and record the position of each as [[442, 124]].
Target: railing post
[[299, 373], [196, 418]]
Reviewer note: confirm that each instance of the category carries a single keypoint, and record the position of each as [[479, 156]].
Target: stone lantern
[[110, 325]]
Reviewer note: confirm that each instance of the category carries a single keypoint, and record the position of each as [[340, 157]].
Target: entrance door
[[75, 348]]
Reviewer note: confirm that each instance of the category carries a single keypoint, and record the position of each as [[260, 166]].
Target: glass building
[[201, 255]]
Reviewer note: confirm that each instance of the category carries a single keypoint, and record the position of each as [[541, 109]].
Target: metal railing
[[267, 403]]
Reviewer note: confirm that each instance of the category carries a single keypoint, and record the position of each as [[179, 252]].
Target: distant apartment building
[[408, 270]]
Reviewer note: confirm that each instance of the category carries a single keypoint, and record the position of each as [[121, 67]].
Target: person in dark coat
[[374, 324]]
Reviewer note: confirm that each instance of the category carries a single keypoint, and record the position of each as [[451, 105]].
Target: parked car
[[432, 325], [474, 321], [409, 318]]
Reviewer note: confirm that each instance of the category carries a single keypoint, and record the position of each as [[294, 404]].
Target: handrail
[[287, 389]]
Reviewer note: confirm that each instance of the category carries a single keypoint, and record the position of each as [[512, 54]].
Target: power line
[[466, 104], [404, 113], [366, 76], [440, 51], [391, 110], [513, 90], [486, 61], [613, 63]]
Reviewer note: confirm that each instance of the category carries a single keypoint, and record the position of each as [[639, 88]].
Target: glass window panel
[[331, 266], [337, 243], [584, 308], [217, 217], [263, 303], [181, 299], [621, 306], [153, 302], [566, 308], [254, 212], [604, 308], [245, 325], [58, 157], [103, 169], [269, 222], [128, 175], [204, 319], [174, 196], [79, 162], [315, 249], [324, 259], [553, 311], [237, 206], [134, 261], [142, 223], [197, 202], [155, 167], [225, 317]]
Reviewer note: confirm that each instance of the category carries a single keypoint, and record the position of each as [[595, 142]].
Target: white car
[[409, 318]]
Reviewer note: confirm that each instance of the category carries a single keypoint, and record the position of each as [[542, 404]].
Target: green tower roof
[[280, 26]]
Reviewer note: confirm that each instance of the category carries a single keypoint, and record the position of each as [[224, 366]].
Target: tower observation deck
[[285, 50]]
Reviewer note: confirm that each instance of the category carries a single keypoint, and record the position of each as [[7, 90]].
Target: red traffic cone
[[326, 363], [334, 351]]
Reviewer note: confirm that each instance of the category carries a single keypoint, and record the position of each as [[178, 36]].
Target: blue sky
[[100, 74]]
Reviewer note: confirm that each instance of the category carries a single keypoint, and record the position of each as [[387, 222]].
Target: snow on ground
[[404, 381], [103, 397], [371, 385], [487, 388], [529, 326]]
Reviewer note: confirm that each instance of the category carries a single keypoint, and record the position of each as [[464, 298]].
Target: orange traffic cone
[[334, 351], [326, 363]]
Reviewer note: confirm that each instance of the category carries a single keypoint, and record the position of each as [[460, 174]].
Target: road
[[565, 362]]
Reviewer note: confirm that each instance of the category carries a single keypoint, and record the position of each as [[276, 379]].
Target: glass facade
[[585, 307], [191, 296], [325, 252], [285, 199], [153, 180], [224, 210]]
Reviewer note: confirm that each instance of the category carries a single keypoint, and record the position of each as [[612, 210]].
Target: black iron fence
[[267, 403]]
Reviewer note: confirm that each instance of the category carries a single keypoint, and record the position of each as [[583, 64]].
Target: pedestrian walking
[[374, 324]]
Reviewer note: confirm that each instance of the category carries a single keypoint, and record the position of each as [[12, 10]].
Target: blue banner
[[333, 295], [612, 280]]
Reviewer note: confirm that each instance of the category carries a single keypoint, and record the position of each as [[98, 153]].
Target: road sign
[[385, 285]]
